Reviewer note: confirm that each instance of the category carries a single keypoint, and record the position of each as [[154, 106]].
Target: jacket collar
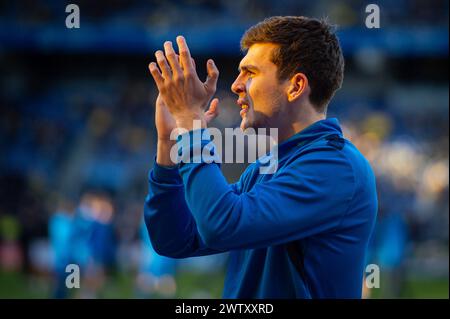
[[309, 134]]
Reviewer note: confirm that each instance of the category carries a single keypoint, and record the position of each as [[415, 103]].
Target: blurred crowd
[[167, 14], [77, 141]]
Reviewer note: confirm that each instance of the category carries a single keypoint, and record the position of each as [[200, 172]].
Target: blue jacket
[[322, 198]]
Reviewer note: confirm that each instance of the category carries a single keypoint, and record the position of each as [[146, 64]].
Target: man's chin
[[245, 124]]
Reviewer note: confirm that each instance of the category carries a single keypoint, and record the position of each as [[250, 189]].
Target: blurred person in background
[[96, 214], [87, 239], [60, 232], [156, 273], [11, 254]]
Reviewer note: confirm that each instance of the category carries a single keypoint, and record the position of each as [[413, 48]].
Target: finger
[[157, 77], [213, 75], [213, 110], [163, 65], [181, 65], [214, 106], [185, 55], [173, 59]]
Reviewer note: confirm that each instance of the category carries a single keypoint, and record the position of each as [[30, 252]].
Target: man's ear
[[298, 86]]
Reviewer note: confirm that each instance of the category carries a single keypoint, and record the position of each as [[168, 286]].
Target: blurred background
[[77, 138]]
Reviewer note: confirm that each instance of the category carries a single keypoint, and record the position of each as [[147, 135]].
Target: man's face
[[261, 95]]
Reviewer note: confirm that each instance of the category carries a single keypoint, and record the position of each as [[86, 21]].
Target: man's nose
[[238, 86]]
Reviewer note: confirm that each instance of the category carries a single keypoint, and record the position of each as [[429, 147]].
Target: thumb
[[213, 75], [213, 110]]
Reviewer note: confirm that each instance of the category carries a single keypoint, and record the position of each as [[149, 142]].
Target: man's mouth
[[243, 113], [244, 107]]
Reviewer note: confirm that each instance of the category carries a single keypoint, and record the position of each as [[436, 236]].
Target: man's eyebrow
[[247, 67]]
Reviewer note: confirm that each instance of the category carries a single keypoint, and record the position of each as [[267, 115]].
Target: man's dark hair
[[307, 46]]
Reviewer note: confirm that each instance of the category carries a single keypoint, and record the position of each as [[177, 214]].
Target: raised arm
[[170, 224], [172, 229]]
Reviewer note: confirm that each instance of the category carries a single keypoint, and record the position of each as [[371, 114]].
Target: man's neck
[[299, 125]]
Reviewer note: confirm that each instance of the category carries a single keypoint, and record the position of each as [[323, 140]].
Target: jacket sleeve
[[170, 224], [306, 197]]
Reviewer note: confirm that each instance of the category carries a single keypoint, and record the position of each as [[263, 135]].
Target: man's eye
[[247, 73]]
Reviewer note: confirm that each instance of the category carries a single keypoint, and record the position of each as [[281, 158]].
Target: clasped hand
[[182, 92]]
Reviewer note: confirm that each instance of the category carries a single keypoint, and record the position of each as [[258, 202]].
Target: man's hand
[[164, 121], [165, 124], [185, 96]]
